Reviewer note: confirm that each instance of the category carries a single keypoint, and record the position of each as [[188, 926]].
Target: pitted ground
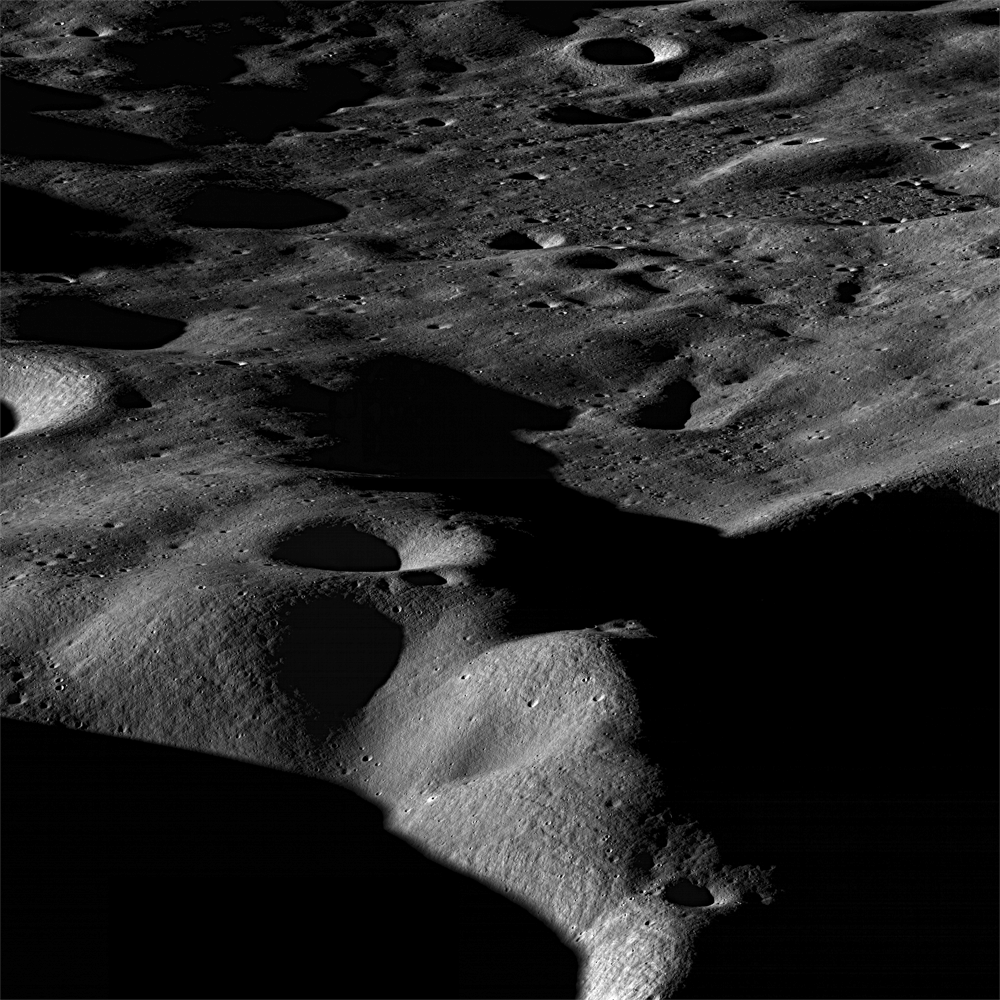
[[282, 282]]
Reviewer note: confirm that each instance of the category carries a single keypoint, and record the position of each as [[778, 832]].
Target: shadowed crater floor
[[336, 654], [338, 547]]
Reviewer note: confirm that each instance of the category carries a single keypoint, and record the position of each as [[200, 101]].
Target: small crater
[[337, 547], [685, 893], [513, 240], [616, 52], [84, 32], [950, 145], [431, 122], [745, 299]]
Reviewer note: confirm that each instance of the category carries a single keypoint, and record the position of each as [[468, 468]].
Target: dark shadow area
[[514, 241], [219, 207], [670, 411], [422, 578], [257, 112], [739, 33], [430, 122], [635, 280], [849, 7], [821, 697], [132, 399], [8, 419], [357, 29], [989, 18], [566, 114], [555, 18], [41, 233], [304, 397], [22, 97], [847, 292], [335, 655], [665, 72], [587, 261], [52, 139], [195, 58], [745, 299], [224, 13], [338, 547], [135, 871], [438, 64], [406, 417], [685, 893], [846, 755], [616, 52], [78, 322]]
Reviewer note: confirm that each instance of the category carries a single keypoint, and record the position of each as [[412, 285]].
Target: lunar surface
[[500, 499]]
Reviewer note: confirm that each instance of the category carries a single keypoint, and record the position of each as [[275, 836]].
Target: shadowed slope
[[41, 233], [134, 870], [410, 418], [786, 682]]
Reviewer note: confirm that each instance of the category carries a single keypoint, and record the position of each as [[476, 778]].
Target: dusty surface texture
[[568, 427]]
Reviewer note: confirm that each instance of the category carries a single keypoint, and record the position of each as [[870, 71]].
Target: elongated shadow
[[23, 97], [567, 114], [52, 139], [409, 418], [257, 112], [218, 206], [164, 873], [41, 233], [77, 322]]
